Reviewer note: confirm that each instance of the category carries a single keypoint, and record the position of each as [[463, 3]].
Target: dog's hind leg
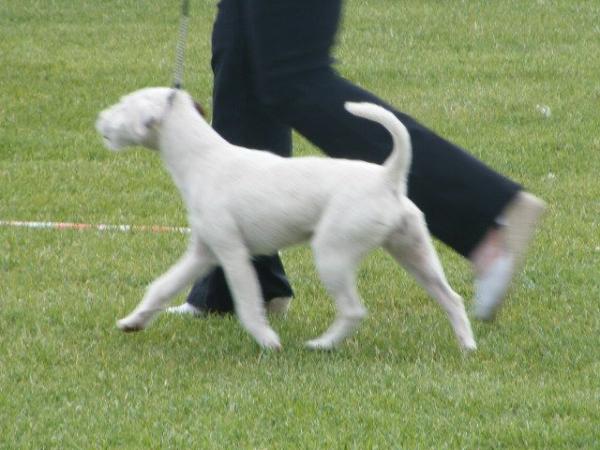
[[411, 246], [194, 263], [249, 305], [336, 264]]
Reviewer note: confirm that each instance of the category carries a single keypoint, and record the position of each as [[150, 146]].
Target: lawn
[[478, 72]]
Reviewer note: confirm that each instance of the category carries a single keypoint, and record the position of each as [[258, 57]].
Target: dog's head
[[136, 118]]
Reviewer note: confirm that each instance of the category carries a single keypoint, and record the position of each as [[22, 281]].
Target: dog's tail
[[398, 163]]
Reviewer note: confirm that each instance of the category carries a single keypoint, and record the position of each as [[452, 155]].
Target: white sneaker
[[185, 308], [519, 222], [275, 306], [491, 288], [278, 306]]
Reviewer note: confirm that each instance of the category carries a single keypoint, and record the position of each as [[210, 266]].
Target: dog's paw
[[320, 344], [268, 340], [467, 341], [132, 322], [468, 345]]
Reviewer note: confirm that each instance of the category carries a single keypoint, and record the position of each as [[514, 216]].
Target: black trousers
[[273, 73]]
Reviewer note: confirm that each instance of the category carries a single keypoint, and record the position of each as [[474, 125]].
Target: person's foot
[[276, 306], [492, 286], [500, 256], [186, 309]]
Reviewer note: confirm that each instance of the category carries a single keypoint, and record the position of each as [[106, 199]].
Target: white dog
[[244, 202]]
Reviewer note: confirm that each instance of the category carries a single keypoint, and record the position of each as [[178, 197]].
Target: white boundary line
[[89, 226]]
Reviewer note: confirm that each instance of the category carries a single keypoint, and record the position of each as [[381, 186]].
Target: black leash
[[180, 52]]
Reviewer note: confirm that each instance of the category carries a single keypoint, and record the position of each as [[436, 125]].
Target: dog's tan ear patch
[[200, 109]]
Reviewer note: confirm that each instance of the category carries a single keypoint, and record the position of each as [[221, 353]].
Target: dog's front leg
[[195, 263], [249, 306]]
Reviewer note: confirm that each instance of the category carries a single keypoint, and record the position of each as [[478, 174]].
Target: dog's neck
[[188, 145]]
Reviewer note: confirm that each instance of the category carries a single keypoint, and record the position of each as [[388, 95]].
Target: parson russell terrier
[[244, 202]]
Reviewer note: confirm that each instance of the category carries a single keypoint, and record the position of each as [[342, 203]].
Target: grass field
[[472, 70]]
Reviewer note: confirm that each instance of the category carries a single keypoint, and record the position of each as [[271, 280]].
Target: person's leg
[[238, 116], [290, 42], [241, 120]]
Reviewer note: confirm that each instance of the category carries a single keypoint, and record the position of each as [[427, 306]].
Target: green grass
[[472, 70]]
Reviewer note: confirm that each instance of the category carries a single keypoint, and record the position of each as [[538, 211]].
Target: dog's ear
[[150, 123], [149, 118], [144, 125]]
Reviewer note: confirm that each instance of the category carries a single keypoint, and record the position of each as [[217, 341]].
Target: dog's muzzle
[[109, 134]]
